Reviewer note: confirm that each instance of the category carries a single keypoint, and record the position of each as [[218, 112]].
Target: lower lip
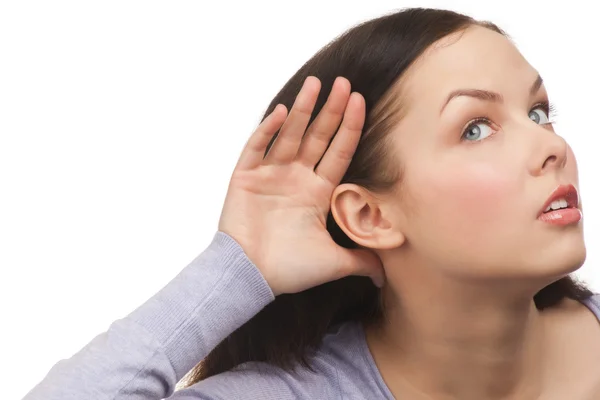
[[567, 216]]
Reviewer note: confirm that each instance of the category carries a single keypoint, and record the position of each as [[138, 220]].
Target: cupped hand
[[276, 206]]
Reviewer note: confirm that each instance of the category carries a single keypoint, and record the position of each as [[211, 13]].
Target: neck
[[459, 340]]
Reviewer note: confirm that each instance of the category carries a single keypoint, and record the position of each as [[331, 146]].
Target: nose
[[551, 152]]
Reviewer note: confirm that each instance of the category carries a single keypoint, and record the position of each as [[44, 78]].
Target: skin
[[456, 245], [461, 246]]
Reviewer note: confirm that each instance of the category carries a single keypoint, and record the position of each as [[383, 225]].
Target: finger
[[323, 128], [361, 262], [254, 150], [288, 140], [337, 158]]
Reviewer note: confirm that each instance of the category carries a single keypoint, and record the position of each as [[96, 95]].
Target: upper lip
[[567, 192]]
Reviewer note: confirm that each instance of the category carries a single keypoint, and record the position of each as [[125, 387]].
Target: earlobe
[[364, 219]]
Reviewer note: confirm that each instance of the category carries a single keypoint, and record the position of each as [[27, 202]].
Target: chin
[[561, 260], [556, 252]]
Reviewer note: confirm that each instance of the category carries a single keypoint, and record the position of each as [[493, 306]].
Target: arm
[[275, 210], [144, 355]]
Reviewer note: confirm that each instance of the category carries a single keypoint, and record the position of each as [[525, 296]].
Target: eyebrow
[[487, 95]]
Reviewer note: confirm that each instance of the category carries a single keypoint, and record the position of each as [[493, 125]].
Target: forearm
[[144, 355]]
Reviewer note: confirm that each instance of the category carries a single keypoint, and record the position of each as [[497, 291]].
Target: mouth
[[562, 207]]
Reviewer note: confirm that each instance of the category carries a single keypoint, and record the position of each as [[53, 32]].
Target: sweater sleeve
[[145, 354]]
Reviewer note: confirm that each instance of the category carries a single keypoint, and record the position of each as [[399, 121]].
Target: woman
[[418, 154]]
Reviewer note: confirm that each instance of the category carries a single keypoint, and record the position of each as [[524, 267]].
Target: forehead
[[474, 58]]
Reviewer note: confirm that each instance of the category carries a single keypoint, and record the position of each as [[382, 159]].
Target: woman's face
[[478, 168]]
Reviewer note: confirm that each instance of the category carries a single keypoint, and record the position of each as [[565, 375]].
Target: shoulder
[[338, 371], [588, 308], [573, 337], [258, 380], [572, 311], [575, 326], [593, 303]]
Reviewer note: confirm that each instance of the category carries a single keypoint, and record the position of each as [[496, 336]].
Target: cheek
[[479, 190], [464, 214], [467, 200]]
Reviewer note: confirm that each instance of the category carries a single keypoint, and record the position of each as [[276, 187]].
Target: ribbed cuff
[[215, 294]]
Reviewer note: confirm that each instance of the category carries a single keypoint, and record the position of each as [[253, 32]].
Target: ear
[[365, 219]]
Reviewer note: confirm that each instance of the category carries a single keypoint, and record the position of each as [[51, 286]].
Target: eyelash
[[548, 107]]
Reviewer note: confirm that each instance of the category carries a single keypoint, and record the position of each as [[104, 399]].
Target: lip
[[567, 192]]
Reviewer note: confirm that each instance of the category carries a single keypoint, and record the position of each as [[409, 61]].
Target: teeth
[[557, 205]]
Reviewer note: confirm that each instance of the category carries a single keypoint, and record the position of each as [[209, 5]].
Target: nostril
[[550, 160]]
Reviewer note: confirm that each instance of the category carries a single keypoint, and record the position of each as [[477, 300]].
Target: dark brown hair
[[373, 56]]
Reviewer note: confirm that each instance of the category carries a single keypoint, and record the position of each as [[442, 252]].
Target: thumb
[[363, 262]]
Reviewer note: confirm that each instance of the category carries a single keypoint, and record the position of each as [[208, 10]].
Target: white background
[[121, 121]]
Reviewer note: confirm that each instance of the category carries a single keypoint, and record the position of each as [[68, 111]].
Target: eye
[[540, 115], [477, 130]]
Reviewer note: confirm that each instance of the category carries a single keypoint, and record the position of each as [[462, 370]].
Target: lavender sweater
[[145, 354]]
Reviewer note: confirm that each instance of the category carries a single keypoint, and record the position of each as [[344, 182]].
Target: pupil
[[475, 131], [534, 117]]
